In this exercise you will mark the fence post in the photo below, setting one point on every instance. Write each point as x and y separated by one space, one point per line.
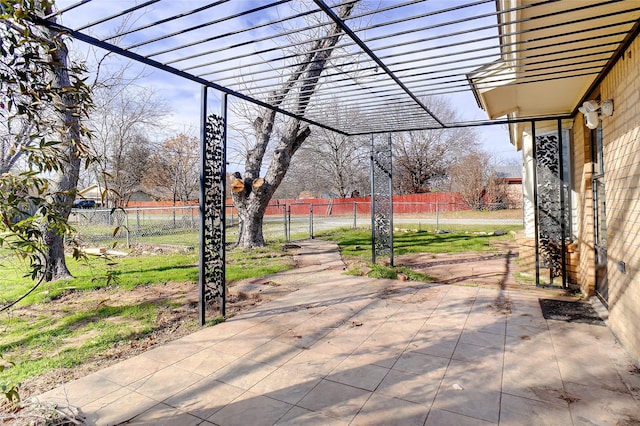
126 227
437 216
289 220
311 221
138 221
284 222
355 215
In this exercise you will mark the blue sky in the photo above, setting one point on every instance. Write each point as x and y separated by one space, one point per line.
184 96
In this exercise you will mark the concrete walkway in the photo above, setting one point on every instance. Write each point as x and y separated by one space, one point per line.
346 350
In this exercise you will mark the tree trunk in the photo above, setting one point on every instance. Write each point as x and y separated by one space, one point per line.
56 264
251 203
65 181
251 219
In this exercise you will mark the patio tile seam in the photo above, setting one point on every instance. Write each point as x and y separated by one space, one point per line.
329 414
123 398
563 380
504 349
141 382
471 418
560 402
327 376
504 302
174 363
241 397
66 388
439 387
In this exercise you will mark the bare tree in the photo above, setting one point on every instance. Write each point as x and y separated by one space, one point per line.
173 169
121 124
330 163
475 177
129 166
13 143
302 178
423 158
343 160
251 202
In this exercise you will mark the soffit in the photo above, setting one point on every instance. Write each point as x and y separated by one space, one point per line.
553 54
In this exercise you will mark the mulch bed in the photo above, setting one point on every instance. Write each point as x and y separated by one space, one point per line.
570 311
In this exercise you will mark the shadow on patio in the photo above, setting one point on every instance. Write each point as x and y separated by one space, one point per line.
352 350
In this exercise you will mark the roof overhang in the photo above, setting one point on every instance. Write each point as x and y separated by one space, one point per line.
551 56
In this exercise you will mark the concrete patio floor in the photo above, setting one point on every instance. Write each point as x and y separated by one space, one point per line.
346 350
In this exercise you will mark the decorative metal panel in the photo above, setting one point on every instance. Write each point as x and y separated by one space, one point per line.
381 199
213 244
552 216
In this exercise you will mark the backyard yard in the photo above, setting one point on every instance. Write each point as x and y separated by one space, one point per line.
67 329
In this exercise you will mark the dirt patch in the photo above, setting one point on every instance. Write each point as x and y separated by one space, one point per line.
497 269
494 269
172 322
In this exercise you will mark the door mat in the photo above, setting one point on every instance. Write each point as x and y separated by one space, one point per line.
562 310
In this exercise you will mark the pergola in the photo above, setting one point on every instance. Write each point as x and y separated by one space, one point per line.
530 57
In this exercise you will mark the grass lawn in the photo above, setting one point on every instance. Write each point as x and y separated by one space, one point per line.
356 243
40 335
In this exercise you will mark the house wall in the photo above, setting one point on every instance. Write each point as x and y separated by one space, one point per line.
528 191
621 141
582 184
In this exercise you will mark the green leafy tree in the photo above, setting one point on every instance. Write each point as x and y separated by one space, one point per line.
39 86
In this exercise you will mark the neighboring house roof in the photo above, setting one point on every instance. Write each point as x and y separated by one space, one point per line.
507 172
91 192
141 195
566 56
94 192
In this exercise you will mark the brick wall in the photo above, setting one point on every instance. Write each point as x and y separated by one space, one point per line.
621 137
526 254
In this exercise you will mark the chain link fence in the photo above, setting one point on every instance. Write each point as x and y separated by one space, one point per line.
285 222
125 227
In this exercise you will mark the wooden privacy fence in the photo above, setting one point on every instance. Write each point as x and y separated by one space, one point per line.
402 204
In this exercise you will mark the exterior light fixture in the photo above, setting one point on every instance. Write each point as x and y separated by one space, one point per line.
606 107
590 111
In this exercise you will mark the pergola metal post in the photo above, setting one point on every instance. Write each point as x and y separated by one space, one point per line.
563 207
535 200
373 205
223 205
381 201
551 224
201 204
390 184
212 207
